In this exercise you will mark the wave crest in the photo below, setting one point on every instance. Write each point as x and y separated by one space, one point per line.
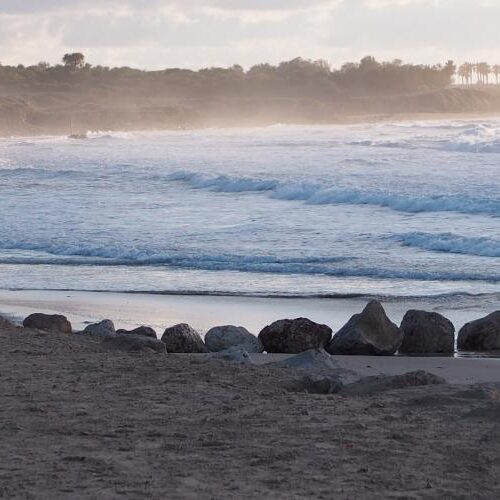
451 243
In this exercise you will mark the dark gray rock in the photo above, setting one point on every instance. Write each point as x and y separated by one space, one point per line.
368 333
183 339
293 336
427 332
312 360
133 343
221 338
235 354
142 331
48 322
481 335
102 329
381 383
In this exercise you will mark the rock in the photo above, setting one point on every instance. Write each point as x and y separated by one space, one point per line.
236 354
317 361
481 335
368 333
293 336
49 322
312 360
318 384
133 343
221 338
142 331
183 339
427 332
381 383
102 329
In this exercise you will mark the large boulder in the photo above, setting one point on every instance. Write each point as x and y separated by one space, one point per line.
221 338
368 333
427 332
49 322
104 328
293 336
142 331
481 335
183 339
133 343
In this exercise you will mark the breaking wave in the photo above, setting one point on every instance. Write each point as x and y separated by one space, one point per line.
334 266
451 243
317 194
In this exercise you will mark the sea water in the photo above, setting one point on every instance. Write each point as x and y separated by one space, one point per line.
392 209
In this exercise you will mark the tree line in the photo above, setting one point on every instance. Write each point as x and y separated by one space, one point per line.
296 78
478 72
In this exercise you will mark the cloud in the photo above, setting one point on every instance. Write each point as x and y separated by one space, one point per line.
195 33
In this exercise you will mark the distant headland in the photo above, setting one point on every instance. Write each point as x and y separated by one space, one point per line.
74 97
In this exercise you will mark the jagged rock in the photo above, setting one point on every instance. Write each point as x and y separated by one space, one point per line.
142 331
48 322
183 339
481 335
133 343
368 333
427 332
236 354
293 336
221 338
381 383
102 329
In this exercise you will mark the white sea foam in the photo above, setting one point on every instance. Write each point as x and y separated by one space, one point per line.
452 243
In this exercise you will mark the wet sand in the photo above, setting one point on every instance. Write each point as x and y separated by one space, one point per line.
204 312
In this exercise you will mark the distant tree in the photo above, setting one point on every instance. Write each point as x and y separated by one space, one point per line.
43 66
74 61
496 72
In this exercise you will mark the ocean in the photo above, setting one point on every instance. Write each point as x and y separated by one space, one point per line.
406 209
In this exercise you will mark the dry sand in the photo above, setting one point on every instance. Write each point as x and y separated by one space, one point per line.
79 422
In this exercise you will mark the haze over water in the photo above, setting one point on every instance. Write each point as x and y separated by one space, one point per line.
410 208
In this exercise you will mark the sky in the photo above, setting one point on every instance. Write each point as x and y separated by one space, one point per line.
155 34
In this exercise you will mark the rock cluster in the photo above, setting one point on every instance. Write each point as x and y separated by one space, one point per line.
370 332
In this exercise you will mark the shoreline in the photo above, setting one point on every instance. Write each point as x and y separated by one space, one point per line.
202 312
339 121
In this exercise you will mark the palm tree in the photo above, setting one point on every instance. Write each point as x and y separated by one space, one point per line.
496 71
486 70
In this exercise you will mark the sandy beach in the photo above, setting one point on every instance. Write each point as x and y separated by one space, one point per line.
79 421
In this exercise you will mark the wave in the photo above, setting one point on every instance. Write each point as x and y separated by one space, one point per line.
451 243
333 266
317 194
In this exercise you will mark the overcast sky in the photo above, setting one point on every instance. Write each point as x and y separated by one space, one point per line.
154 34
